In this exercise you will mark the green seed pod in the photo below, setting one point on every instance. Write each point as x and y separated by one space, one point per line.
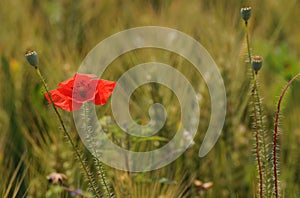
246 13
32 58
256 63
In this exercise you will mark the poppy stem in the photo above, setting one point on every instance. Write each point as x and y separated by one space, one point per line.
275 134
257 126
257 116
67 134
248 44
98 163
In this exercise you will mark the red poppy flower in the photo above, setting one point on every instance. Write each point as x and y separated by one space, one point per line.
73 92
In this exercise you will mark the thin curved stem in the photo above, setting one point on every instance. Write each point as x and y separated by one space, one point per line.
275 135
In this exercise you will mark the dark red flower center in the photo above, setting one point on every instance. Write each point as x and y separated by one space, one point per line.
84 90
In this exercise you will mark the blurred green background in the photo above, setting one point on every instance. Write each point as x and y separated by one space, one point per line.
63 32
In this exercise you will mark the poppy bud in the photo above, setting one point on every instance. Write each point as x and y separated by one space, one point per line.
256 63
246 13
32 58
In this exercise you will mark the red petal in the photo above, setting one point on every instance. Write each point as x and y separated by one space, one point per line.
67 83
68 97
78 77
104 90
63 102
91 76
84 77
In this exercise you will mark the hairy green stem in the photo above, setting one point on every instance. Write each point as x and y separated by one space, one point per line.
275 135
98 163
257 116
256 121
102 175
265 149
66 132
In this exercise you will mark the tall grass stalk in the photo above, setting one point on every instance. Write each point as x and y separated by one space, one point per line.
14 178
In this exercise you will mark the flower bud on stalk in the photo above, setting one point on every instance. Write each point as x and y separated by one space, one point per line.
256 63
32 58
246 14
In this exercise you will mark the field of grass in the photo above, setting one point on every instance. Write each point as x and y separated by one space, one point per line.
32 144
